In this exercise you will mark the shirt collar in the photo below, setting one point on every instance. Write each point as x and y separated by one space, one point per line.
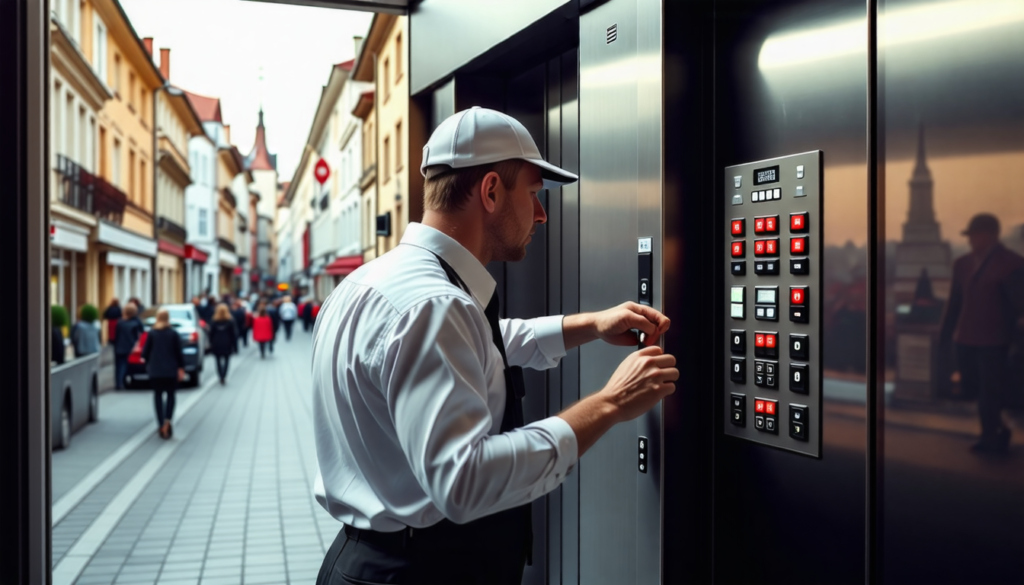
480 282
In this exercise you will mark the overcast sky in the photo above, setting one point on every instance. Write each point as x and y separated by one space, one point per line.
217 49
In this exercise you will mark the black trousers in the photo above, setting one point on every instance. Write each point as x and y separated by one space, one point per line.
983 374
161 386
222 365
489 551
287 329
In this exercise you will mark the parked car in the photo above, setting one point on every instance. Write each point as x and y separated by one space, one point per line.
74 398
185 320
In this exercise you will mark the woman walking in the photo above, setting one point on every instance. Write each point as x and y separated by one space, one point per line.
165 364
288 313
262 329
223 339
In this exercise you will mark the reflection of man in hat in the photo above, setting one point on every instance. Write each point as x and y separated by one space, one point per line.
984 305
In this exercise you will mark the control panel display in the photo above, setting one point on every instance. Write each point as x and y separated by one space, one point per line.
772 317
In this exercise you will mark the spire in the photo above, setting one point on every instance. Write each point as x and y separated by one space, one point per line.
260 159
921 170
260 125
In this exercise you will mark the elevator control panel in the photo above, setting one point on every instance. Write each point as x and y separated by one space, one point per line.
772 317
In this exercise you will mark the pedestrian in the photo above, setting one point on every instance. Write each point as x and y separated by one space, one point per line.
287 312
112 314
165 364
262 329
307 315
417 384
209 308
986 301
240 314
57 348
139 307
316 311
223 339
85 335
129 328
275 318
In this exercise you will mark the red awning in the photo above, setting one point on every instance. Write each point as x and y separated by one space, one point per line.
193 253
344 265
171 248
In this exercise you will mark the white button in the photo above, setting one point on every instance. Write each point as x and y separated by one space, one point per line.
753 196
737 199
760 195
799 171
777 194
738 180
737 311
766 296
737 294
770 313
799 191
760 312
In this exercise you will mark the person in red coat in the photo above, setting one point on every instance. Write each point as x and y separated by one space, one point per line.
262 328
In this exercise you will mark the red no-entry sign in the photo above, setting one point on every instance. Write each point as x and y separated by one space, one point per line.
321 171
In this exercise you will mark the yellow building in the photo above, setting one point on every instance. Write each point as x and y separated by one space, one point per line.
398 126
229 164
177 123
125 238
77 94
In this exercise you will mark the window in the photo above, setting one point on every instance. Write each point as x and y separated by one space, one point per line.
83 137
142 103
203 220
131 175
131 90
386 80
398 57
102 168
93 146
99 48
117 74
69 127
398 146
387 159
143 184
115 170
55 108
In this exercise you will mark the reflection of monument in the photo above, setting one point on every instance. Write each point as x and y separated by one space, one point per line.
922 248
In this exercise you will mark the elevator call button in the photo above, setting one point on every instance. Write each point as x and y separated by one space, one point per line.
798 222
798 378
758 225
738 227
798 295
798 245
738 341
766 267
739 267
799 266
737 249
799 346
738 370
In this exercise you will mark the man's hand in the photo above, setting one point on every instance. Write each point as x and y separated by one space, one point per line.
615 325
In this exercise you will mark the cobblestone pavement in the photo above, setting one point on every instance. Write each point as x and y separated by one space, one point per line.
227 500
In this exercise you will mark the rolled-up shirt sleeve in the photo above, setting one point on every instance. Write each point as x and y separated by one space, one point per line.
435 381
533 343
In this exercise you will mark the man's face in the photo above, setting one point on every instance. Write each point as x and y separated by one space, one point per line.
981 242
517 219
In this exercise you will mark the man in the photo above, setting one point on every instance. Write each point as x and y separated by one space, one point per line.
112 314
421 448
128 331
239 313
984 307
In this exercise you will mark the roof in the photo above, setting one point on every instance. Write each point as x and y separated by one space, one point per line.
347 65
259 158
375 40
208 108
364 106
283 189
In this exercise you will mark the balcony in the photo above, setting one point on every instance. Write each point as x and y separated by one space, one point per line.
172 228
226 244
88 193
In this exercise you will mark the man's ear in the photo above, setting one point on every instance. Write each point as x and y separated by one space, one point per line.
488 191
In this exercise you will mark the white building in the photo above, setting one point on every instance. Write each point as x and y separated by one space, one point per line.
201 198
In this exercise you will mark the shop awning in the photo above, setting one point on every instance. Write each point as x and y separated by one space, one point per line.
195 254
344 265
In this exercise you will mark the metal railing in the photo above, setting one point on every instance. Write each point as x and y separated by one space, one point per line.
86 192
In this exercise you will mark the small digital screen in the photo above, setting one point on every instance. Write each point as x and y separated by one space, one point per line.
766 175
766 296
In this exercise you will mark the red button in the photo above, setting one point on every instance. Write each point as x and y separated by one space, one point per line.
759 340
737 249
798 222
759 247
771 224
798 245
759 406
771 247
769 407
737 227
758 225
797 296
769 341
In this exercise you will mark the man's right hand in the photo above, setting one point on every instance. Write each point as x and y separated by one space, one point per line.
641 381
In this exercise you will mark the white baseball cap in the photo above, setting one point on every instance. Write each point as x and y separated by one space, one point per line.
479 136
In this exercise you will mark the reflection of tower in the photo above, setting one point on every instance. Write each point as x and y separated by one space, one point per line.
921 248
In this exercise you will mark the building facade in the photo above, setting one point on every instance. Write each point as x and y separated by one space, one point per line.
365 111
263 166
177 124
201 197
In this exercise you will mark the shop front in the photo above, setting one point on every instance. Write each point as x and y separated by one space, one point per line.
170 263
228 261
195 261
126 260
335 272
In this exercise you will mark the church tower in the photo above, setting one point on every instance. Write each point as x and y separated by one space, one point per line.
263 167
922 248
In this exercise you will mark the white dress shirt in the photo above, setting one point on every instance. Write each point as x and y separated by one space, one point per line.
409 393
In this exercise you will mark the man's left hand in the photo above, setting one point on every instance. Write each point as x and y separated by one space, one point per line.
616 325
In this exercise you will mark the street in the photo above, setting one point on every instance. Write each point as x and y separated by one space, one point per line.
226 500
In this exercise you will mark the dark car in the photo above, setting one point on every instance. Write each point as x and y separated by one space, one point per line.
185 320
